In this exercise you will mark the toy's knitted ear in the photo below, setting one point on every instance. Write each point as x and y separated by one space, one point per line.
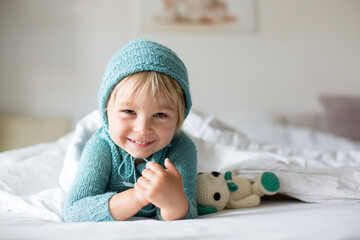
203 210
229 181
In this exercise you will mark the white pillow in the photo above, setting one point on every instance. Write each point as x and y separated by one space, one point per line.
83 132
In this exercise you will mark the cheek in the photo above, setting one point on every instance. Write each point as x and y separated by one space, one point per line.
168 131
116 129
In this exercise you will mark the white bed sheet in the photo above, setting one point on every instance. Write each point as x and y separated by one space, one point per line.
34 182
273 219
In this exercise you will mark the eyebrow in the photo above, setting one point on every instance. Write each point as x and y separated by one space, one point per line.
127 104
166 107
131 104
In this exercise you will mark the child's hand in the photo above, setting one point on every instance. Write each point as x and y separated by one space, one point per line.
164 188
140 197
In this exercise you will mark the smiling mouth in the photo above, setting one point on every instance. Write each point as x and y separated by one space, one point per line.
141 143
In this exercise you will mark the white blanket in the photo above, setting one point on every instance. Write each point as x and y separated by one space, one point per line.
35 180
273 219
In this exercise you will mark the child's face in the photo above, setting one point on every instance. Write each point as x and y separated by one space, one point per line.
142 127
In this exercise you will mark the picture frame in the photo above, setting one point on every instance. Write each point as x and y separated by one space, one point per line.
196 16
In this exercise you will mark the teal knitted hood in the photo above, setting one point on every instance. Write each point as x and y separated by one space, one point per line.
137 56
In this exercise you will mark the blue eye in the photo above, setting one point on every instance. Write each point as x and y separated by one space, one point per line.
160 115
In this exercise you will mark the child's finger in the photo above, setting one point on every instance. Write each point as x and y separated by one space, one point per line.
143 183
168 164
155 167
170 167
139 188
148 173
140 191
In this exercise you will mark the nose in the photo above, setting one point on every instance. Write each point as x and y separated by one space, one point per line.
143 125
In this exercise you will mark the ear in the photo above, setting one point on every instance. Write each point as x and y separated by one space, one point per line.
230 182
203 210
228 175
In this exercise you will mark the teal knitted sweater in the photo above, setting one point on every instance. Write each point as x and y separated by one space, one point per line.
105 170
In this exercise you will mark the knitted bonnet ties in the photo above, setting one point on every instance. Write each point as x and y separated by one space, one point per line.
126 169
128 161
137 56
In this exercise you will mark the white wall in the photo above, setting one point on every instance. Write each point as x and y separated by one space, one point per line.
53 54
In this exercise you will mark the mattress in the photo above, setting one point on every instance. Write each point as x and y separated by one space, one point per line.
321 186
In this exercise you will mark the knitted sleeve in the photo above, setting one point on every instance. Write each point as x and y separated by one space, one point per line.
87 200
183 155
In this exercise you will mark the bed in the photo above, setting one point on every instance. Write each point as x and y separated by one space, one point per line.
319 193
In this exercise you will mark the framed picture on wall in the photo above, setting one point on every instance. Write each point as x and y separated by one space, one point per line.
217 16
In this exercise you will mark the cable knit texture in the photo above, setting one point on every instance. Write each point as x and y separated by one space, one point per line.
105 169
98 177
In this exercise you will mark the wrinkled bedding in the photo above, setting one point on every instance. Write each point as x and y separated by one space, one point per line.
35 180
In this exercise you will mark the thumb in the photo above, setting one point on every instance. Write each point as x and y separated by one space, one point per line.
170 167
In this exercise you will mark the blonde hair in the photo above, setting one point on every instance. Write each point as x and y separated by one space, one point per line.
156 83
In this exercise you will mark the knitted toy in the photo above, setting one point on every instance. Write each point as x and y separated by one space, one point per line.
216 191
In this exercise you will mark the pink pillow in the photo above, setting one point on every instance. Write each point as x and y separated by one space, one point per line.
342 115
